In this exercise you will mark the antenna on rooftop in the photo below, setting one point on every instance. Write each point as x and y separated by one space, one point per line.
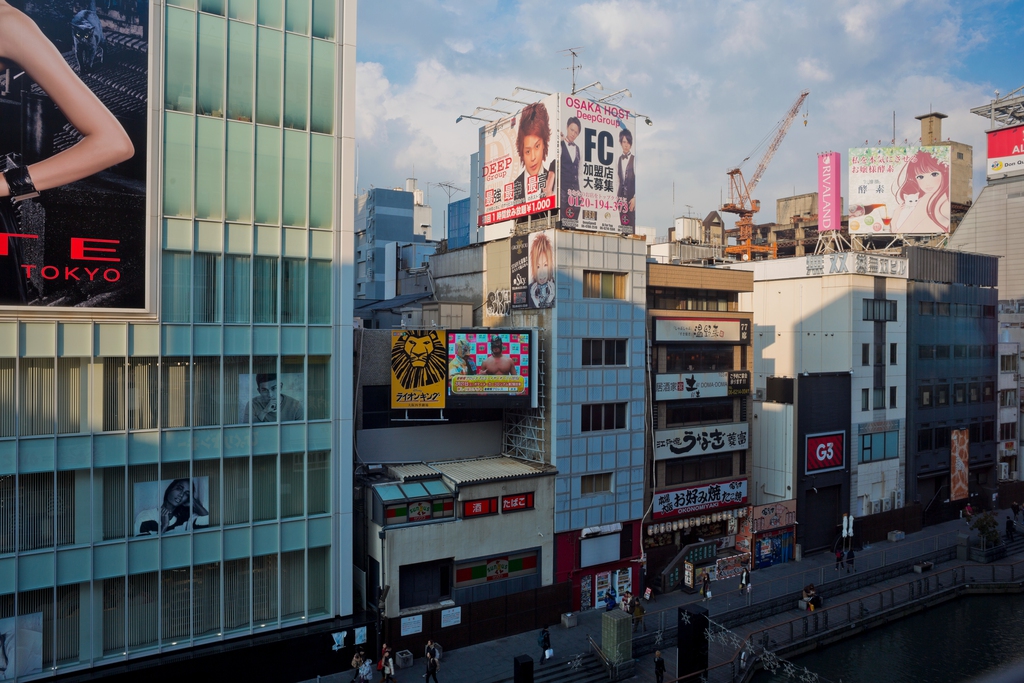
575 53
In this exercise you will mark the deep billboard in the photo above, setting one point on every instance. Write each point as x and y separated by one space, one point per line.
899 190
597 187
520 163
532 263
829 191
489 368
1005 152
74 103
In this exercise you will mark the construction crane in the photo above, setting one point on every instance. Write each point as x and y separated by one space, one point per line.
740 190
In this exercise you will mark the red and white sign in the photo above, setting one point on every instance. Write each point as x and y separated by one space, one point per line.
829 174
520 501
825 452
710 497
477 508
1005 152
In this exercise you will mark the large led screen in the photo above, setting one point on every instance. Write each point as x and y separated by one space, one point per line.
489 368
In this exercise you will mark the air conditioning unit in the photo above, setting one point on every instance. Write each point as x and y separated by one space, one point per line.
897 499
887 504
876 507
1004 471
759 395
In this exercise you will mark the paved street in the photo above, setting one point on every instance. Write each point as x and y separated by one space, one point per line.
493 661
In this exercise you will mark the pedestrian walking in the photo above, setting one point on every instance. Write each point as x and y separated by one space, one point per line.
1015 506
1009 530
659 667
705 587
544 640
638 616
389 668
750 592
432 667
609 601
357 661
839 558
849 561
968 513
744 580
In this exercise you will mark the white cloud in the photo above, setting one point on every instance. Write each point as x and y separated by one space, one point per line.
462 46
812 70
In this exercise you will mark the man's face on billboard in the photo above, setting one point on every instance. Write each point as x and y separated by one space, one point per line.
533 154
496 347
269 389
626 145
572 131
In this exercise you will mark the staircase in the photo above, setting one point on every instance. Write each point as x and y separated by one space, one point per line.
584 668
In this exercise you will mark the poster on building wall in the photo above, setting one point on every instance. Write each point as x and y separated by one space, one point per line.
701 330
959 463
602 587
21 645
520 163
731 566
711 497
772 516
485 570
412 625
271 397
586 592
533 270
78 88
170 506
597 188
419 368
1005 152
825 452
690 441
830 210
899 190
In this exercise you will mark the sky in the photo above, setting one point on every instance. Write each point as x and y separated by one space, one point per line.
714 77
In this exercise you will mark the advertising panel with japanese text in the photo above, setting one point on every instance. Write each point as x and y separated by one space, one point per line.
419 368
1005 152
709 497
825 452
597 187
899 190
829 182
683 385
699 440
520 163
701 330
532 260
74 101
489 368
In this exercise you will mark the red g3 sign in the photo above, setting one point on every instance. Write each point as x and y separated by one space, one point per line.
825 452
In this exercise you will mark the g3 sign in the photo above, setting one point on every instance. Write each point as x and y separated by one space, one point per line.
825 452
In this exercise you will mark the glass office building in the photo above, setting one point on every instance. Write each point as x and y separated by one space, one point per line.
178 475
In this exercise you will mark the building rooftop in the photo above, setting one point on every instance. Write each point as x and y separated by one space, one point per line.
490 469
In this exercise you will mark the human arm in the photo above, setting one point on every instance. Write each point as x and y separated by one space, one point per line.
104 142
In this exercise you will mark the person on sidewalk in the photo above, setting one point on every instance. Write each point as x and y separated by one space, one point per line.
432 667
638 616
659 667
744 580
1015 506
389 668
705 587
544 640
839 558
849 561
357 661
609 601
1009 530
968 513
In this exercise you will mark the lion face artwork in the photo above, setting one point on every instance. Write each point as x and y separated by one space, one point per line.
419 359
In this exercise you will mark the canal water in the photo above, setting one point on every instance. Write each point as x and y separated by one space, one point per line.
951 643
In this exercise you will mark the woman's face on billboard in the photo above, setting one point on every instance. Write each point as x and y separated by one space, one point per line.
533 153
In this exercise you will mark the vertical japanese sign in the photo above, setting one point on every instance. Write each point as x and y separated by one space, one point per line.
419 368
899 190
829 191
533 270
83 242
597 188
520 163
959 464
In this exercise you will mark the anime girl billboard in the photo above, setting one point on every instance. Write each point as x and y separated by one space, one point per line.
899 190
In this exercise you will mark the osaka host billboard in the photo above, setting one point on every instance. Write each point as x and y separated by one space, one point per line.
899 190
520 163
598 167
73 106
1005 152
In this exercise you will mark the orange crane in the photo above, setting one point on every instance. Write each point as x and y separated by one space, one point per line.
740 190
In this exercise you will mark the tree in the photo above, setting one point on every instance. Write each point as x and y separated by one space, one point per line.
988 528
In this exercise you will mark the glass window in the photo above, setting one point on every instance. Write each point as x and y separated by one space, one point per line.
206 276
926 352
319 572
296 185
604 352
268 175
942 351
926 307
180 63
177 286
988 431
865 354
212 6
322 110
36 396
975 432
235 369
974 392
270 12
177 165
319 292
959 393
175 390
72 394
892 354
1008 363
318 473
296 16
113 387
942 309
7 396
143 392
143 616
241 62
598 285
988 391
596 483
264 588
237 288
293 584
699 358
323 19
236 490
238 195
942 395
1008 398
113 615
292 388
210 67
206 405
864 399
319 388
293 291
321 181
879 398
174 608
209 168
959 351
941 437
924 396
702 412
892 397
264 488
293 476
296 80
269 58
243 10
975 351
206 599
1008 431
602 416
236 594
924 440
265 289
211 470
